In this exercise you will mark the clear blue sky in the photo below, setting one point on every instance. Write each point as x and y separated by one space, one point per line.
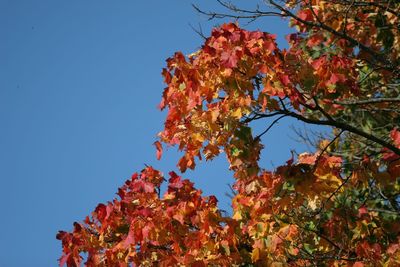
79 85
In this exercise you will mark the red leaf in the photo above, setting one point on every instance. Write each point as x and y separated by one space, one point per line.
179 217
145 212
395 135
334 161
145 231
306 158
142 186
336 77
182 164
159 149
314 40
393 248
101 212
130 238
362 210
63 260
175 180
148 187
229 59
306 15
270 46
285 80
318 62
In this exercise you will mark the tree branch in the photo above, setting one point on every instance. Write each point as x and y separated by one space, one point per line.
368 101
252 14
329 29
340 125
269 127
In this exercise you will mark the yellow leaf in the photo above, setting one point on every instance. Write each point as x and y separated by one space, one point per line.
312 203
252 187
237 113
182 86
198 137
255 255
323 144
330 178
237 216
214 115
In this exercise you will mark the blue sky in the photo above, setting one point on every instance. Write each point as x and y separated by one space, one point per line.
79 86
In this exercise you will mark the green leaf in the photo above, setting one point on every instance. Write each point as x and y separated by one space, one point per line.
308 248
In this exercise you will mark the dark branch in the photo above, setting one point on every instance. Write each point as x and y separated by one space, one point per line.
340 125
368 101
269 127
325 148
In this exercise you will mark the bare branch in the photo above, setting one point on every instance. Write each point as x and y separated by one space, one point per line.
340 125
199 31
368 101
251 14
269 127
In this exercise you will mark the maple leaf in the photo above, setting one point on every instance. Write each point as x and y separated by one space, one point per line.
315 40
229 59
393 248
362 210
307 158
338 71
63 260
101 212
306 14
395 135
388 155
175 181
159 149
285 79
319 62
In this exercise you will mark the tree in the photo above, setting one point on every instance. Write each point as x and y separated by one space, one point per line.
336 206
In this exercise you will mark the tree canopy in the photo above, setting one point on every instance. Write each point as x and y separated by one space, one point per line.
338 205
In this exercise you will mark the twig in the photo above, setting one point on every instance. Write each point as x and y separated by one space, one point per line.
368 101
325 148
198 31
269 127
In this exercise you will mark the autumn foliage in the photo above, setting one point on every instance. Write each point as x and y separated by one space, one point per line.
338 205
